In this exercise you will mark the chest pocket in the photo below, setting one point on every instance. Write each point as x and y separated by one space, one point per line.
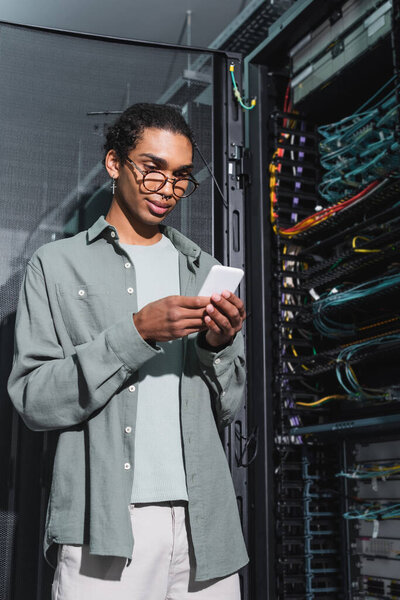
87 309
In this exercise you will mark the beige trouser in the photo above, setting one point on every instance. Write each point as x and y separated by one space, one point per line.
161 567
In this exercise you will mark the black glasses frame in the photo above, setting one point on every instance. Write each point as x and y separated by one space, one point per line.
174 180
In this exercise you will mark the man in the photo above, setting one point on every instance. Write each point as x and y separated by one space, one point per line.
116 351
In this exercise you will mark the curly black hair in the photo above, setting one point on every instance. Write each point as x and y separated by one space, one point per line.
126 132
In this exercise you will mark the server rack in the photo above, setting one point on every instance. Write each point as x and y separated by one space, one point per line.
323 337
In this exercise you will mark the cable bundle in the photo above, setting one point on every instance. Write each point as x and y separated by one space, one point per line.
372 470
345 373
372 512
319 378
339 300
361 147
293 169
325 213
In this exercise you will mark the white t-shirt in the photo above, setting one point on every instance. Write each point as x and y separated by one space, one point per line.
158 473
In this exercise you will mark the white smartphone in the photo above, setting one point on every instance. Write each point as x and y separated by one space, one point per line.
221 278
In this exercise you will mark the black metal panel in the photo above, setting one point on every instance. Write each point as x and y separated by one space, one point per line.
8 451
229 248
237 438
260 340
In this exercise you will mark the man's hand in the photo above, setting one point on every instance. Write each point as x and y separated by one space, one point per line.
224 318
171 318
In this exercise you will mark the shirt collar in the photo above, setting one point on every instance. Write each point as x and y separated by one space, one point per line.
181 242
98 227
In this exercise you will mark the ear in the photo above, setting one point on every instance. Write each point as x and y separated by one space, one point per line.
112 164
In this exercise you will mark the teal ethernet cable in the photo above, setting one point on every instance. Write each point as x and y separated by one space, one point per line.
370 513
360 147
345 373
338 299
237 93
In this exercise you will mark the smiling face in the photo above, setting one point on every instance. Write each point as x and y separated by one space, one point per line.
157 149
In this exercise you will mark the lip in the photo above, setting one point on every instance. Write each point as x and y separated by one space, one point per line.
157 207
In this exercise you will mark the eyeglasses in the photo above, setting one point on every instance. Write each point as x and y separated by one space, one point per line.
154 181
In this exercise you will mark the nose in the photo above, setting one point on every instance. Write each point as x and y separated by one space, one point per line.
167 190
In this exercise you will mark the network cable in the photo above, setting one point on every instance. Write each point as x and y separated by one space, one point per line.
371 471
372 512
346 375
317 217
237 93
361 147
324 400
339 300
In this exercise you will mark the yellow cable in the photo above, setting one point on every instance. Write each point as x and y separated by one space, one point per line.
322 400
382 469
295 352
272 186
365 239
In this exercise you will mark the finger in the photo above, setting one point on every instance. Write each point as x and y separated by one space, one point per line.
187 328
235 300
193 323
222 321
227 308
187 315
179 314
212 325
193 301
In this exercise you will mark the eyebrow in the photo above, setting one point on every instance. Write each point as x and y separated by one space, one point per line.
163 163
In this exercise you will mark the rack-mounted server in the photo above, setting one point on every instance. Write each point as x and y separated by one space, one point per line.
324 227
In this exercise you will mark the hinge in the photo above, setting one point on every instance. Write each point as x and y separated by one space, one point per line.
239 165
243 174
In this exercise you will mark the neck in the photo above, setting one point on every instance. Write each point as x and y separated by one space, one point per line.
129 230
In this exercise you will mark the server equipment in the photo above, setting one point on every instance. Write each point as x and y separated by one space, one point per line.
306 197
324 327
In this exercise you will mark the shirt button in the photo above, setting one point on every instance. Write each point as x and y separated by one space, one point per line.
127 265
223 393
130 290
81 292
128 429
113 234
217 361
131 388
127 466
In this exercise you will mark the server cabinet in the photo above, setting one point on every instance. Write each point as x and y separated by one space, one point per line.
324 346
59 92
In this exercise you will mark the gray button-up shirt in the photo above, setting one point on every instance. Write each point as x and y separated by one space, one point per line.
77 355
